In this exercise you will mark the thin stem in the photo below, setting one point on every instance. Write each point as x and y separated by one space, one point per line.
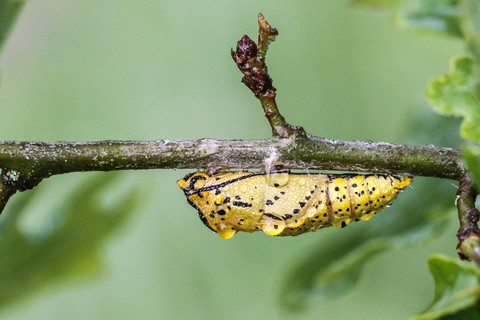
250 59
266 35
279 126
468 233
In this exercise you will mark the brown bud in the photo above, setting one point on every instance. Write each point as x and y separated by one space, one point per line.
246 49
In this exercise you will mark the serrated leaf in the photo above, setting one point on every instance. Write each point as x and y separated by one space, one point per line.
68 249
9 11
454 94
457 288
432 17
471 158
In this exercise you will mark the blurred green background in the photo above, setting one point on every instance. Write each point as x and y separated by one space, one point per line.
146 70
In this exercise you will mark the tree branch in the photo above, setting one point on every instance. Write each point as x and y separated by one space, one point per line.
469 233
25 164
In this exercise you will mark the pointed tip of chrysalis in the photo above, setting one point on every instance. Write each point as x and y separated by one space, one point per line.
403 184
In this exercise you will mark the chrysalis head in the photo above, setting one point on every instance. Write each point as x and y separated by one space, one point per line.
191 185
192 182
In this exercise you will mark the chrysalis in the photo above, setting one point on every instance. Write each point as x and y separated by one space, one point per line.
281 203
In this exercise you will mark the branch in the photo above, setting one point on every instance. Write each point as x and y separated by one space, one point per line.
25 164
469 233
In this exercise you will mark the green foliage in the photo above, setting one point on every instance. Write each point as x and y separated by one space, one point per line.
471 27
432 17
67 248
457 290
378 3
328 272
454 94
471 157
9 11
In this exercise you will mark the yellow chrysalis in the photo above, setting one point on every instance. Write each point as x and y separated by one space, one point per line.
281 203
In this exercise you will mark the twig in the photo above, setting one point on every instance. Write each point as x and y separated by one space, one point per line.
250 59
469 233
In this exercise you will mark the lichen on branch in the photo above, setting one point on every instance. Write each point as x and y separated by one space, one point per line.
24 164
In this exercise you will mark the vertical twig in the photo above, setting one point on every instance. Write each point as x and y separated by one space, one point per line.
468 233
250 59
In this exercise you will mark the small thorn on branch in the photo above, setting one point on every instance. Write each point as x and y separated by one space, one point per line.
468 233
250 59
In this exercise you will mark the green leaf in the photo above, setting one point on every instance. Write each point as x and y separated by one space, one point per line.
471 26
67 247
432 17
471 157
328 272
382 4
457 289
9 11
465 314
454 94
